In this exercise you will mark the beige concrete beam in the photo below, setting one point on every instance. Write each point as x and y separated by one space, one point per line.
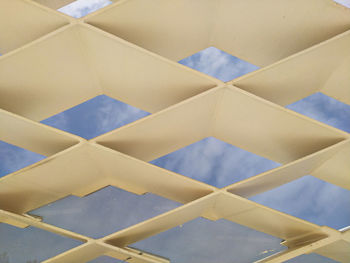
250 30
321 68
22 21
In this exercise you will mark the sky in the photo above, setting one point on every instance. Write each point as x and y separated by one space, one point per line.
210 160
343 2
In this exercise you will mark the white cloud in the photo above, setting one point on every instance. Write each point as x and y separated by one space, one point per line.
343 2
215 162
218 64
13 158
311 199
60 120
81 8
32 243
318 202
325 109
112 114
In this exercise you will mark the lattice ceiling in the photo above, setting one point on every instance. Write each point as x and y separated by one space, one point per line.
52 62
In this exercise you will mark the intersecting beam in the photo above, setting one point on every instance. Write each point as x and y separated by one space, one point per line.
245 212
34 136
338 250
231 115
26 220
56 4
251 30
321 68
222 205
297 251
271 131
98 167
78 62
90 249
93 249
163 222
336 170
51 62
333 246
294 170
167 130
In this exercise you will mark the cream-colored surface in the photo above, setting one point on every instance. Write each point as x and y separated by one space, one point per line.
338 251
264 128
321 68
46 181
22 21
54 4
294 170
261 32
52 62
34 136
78 62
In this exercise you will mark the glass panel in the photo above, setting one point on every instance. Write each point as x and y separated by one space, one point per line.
104 259
103 212
95 117
206 241
13 158
214 162
311 258
30 244
81 8
218 64
311 199
325 109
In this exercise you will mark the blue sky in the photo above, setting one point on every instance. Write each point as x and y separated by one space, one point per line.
81 8
343 2
210 161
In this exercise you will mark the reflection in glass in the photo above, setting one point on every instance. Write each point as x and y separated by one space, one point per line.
105 259
103 212
31 244
206 241
215 162
311 199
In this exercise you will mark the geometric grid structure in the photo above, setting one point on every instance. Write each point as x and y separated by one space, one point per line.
52 62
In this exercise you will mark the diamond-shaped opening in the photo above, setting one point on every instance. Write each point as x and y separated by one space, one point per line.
311 258
13 158
215 162
105 259
218 64
205 241
345 3
95 117
103 212
325 109
31 244
82 8
311 199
